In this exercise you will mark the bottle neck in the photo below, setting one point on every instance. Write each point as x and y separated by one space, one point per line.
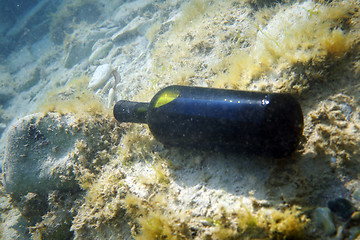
126 111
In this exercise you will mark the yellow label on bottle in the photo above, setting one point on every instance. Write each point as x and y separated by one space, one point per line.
166 97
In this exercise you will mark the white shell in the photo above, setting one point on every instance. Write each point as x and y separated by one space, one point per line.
111 98
100 76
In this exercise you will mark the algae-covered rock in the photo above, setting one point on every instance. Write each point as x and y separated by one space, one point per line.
77 52
134 28
100 52
48 161
322 218
19 59
37 156
15 227
129 9
5 96
30 76
71 12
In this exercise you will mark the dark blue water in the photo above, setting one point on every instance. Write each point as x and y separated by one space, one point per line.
10 9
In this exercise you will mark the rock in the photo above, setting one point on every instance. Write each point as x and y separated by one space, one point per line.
356 195
322 219
80 43
5 96
341 207
130 30
6 79
2 129
100 52
37 155
77 52
100 76
126 10
15 227
42 47
19 59
13 224
207 222
29 76
46 159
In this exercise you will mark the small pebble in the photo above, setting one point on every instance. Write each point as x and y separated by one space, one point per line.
356 195
347 110
341 207
100 76
322 219
207 222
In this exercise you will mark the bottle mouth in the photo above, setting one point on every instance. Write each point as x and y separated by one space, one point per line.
127 111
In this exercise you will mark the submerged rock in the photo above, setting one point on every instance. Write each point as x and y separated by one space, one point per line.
5 96
19 59
15 227
77 52
30 76
322 218
341 207
37 155
100 52
128 9
356 195
48 161
100 76
134 28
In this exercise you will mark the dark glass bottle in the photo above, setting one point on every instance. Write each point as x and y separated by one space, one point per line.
269 124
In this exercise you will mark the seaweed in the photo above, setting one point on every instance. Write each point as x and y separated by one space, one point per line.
75 98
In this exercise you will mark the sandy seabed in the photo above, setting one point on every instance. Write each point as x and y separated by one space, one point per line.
70 171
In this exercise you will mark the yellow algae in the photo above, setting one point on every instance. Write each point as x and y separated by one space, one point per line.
129 184
151 32
336 44
334 129
272 42
190 11
262 224
74 98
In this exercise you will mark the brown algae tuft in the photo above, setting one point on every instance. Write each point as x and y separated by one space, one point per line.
130 186
250 50
75 98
